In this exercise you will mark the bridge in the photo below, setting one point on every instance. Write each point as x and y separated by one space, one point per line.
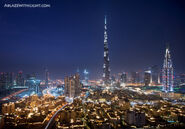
51 121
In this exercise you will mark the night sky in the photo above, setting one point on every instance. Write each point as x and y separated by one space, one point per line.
69 35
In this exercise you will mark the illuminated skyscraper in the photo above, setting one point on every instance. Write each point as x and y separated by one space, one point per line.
72 86
123 78
147 78
6 80
167 72
33 83
106 67
135 77
86 78
155 74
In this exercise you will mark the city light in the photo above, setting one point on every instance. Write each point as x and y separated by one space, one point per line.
92 65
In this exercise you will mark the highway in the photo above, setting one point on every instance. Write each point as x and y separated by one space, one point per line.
52 91
13 94
47 91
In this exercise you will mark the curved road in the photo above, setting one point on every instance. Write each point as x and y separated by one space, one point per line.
49 125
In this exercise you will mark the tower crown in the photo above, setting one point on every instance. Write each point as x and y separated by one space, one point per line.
105 19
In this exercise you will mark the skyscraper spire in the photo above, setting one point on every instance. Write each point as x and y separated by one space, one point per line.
106 67
167 72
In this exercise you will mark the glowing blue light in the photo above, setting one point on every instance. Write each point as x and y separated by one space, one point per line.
86 72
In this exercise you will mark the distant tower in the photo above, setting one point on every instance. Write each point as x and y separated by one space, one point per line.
19 79
135 77
78 70
37 86
106 67
86 73
6 80
167 72
46 77
123 78
154 74
147 77
159 80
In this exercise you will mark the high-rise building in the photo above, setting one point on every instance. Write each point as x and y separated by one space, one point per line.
66 88
2 81
6 80
86 78
33 83
180 79
113 78
123 78
77 84
147 78
167 72
106 67
19 79
155 74
46 77
135 77
72 86
31 76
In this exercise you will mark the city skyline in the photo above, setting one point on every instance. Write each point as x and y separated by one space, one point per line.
32 46
100 64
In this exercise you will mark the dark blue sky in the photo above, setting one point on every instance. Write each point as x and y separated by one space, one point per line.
69 35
